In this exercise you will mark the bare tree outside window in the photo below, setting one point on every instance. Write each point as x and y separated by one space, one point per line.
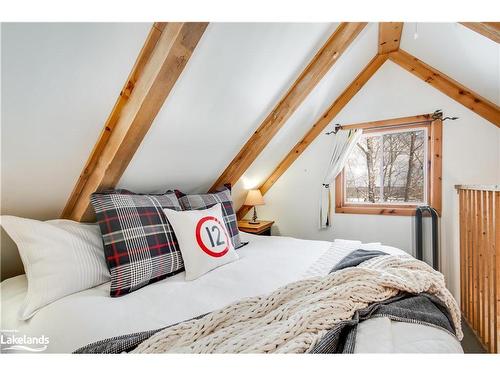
387 167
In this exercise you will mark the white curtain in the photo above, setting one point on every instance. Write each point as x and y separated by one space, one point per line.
345 141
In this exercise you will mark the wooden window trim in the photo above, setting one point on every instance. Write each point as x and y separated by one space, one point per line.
434 168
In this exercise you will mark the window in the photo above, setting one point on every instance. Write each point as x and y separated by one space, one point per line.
395 167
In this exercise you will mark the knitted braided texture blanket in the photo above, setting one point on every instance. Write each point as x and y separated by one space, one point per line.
295 317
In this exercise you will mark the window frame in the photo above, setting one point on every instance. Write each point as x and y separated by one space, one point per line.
433 192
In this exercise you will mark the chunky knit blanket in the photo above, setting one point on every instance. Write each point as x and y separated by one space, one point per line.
294 318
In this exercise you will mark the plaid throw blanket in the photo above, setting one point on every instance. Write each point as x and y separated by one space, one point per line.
429 304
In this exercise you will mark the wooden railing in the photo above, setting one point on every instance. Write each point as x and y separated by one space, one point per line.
480 261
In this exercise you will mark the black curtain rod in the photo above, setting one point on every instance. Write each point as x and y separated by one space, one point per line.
438 114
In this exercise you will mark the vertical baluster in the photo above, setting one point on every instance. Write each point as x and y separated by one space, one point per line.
491 271
477 258
484 268
480 266
474 261
462 231
470 286
496 224
486 272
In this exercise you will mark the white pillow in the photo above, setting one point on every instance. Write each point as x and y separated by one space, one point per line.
203 239
60 257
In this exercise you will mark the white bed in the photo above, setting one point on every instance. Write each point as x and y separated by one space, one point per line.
266 263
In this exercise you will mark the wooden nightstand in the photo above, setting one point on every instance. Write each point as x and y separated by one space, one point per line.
263 228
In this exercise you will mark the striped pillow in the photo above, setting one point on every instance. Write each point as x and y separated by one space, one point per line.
204 201
139 244
60 257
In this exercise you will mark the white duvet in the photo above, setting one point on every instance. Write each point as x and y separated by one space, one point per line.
265 264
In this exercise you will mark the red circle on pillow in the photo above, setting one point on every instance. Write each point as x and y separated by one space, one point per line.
200 240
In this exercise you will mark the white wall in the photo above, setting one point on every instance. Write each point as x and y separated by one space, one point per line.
470 155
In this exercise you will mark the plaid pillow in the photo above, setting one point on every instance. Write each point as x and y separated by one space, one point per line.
204 201
139 243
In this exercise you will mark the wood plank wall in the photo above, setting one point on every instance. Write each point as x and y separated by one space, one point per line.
480 263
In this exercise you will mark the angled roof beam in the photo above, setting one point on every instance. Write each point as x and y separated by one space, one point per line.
161 61
389 36
490 30
138 68
468 98
320 124
305 83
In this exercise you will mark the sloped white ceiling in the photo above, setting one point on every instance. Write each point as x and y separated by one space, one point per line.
354 59
441 45
459 52
60 81
59 84
236 75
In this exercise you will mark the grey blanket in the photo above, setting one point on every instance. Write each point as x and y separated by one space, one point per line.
421 309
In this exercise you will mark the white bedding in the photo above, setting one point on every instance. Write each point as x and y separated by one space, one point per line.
265 264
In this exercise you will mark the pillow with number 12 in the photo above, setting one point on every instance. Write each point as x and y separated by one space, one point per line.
203 239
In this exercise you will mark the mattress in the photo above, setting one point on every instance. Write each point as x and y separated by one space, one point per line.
265 264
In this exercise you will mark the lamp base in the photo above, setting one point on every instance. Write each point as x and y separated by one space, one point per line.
254 217
254 222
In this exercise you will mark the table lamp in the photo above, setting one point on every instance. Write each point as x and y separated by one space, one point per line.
254 198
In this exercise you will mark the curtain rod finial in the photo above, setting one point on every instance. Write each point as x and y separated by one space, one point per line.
335 130
438 114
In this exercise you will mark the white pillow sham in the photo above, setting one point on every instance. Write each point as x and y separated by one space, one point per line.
60 257
203 239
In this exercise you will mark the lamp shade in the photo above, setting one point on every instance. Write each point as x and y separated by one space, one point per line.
254 198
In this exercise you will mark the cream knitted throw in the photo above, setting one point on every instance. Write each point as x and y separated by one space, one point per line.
295 317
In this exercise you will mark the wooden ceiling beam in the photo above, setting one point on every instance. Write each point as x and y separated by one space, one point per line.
389 36
318 127
305 83
490 30
468 98
161 61
142 59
